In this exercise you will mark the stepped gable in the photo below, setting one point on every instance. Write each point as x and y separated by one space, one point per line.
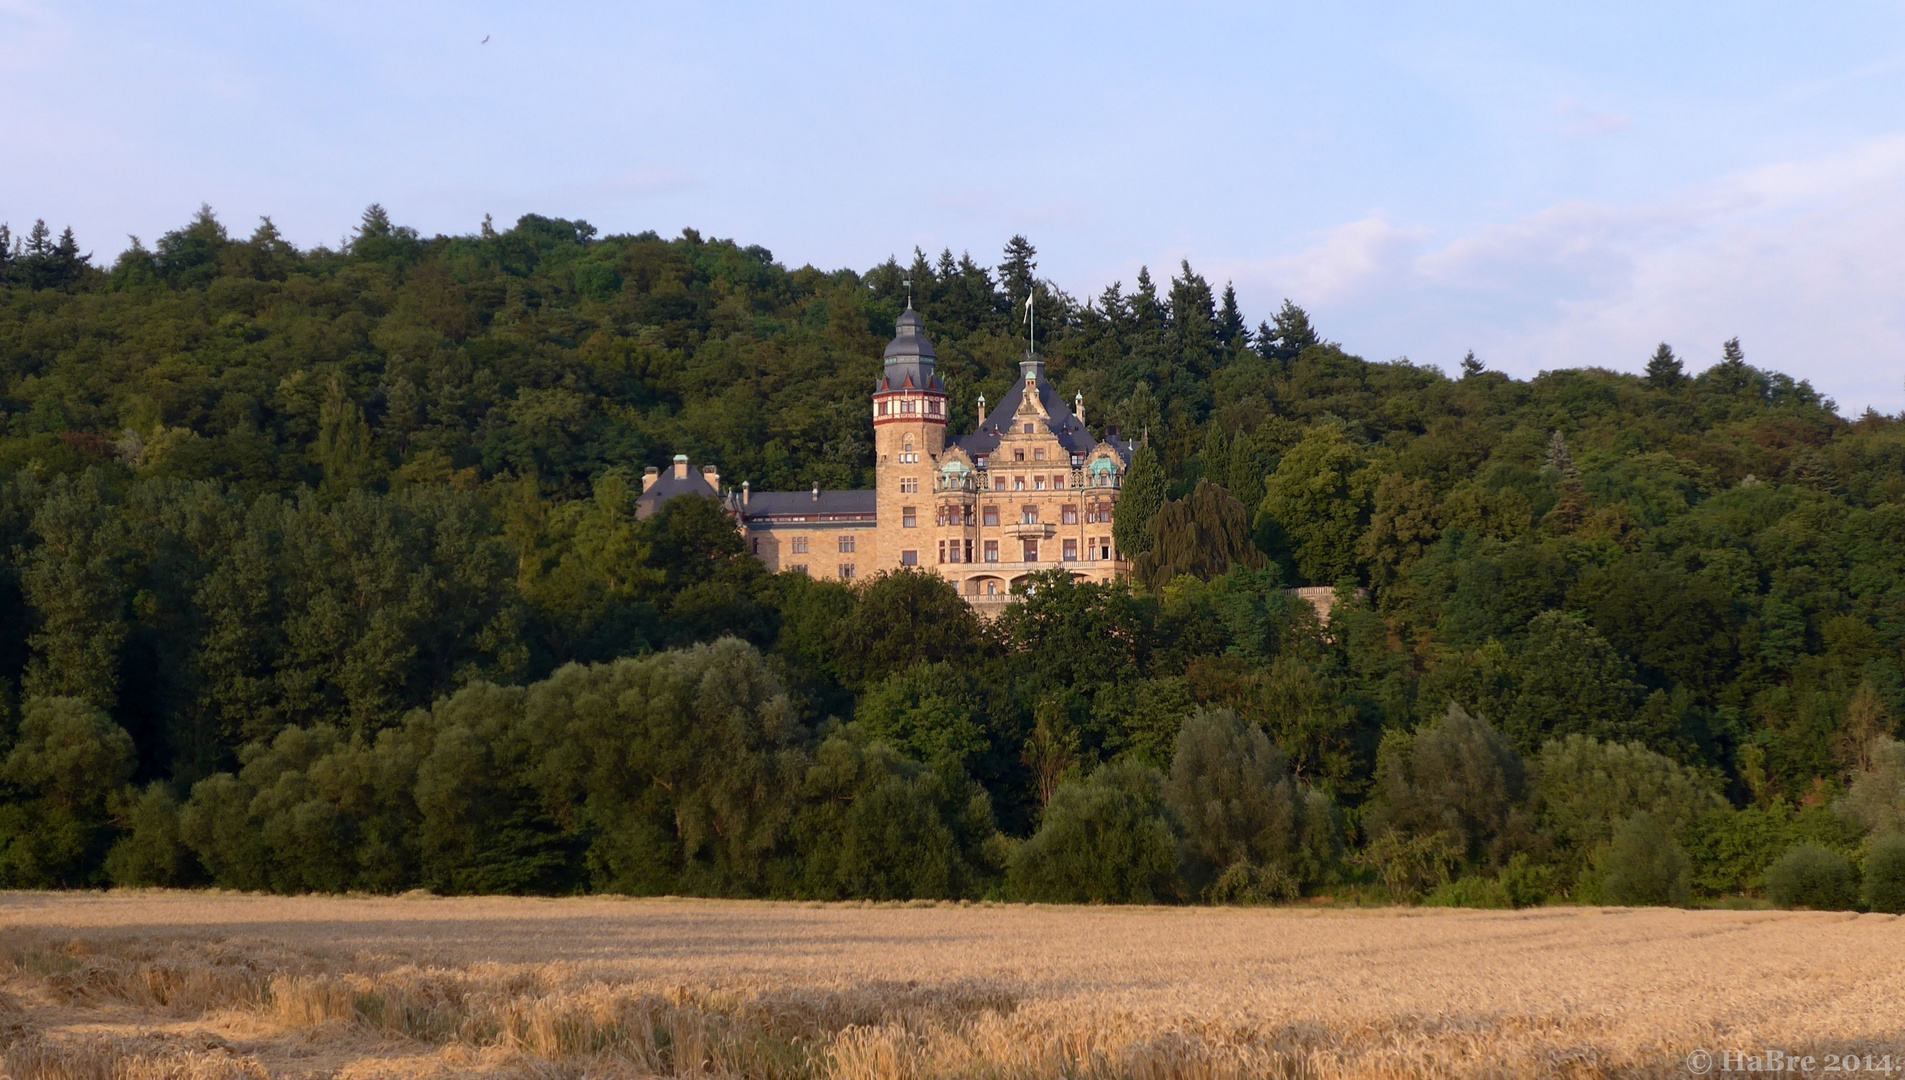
1045 408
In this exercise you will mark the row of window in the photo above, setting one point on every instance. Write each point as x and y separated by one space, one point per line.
844 571
961 551
798 545
910 408
1020 483
1028 515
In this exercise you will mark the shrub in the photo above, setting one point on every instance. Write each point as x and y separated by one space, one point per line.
1104 839
1588 785
1885 874
152 853
1643 866
1876 799
1233 796
1460 778
1472 891
1812 876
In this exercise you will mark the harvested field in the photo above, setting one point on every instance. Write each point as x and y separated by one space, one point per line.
126 985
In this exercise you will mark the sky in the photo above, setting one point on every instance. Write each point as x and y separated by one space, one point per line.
1549 185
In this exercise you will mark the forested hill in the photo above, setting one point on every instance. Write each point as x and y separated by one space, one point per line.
251 495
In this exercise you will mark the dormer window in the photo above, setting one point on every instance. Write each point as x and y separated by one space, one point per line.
1028 429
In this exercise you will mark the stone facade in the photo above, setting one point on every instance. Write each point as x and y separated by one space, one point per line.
1031 489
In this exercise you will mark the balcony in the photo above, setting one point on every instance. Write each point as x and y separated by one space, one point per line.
1036 530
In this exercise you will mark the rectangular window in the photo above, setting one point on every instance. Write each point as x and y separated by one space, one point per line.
942 551
1038 453
906 408
992 551
909 517
1028 515
992 516
1038 483
932 407
797 568
846 571
909 484
909 558
1031 551
799 545
1019 454
846 545
1058 482
1068 515
1071 551
968 551
754 545
882 408
998 483
1018 483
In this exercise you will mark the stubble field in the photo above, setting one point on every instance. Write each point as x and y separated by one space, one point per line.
209 985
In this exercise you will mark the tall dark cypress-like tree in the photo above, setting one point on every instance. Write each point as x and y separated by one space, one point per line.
1138 504
1663 369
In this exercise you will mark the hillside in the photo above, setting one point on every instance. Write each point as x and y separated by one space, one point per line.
260 508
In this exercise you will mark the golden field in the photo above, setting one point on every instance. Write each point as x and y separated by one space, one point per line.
173 984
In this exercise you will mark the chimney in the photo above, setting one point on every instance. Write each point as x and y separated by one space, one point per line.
745 492
712 474
1078 407
816 492
982 412
649 476
681 466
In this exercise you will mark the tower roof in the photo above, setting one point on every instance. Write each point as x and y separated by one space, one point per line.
909 341
909 357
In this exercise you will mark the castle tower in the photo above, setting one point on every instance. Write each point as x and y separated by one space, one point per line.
909 434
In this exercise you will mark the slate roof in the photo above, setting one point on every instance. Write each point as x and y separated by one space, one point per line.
762 504
667 486
909 357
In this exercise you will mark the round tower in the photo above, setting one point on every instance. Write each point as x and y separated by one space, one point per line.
909 434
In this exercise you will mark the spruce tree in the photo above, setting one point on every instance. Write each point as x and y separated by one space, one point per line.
1230 320
1291 334
1471 366
1017 270
1132 526
1663 369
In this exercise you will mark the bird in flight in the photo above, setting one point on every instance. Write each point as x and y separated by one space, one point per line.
485 40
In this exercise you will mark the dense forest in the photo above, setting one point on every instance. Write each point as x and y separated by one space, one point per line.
319 570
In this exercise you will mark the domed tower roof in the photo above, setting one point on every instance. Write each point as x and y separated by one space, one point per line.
909 341
910 360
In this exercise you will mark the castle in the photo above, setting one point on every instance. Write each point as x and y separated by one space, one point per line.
1030 490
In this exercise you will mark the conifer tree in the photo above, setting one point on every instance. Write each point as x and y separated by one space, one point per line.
1138 504
1017 270
1289 335
1471 367
1230 320
1663 369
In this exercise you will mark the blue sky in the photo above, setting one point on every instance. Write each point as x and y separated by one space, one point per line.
1550 188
